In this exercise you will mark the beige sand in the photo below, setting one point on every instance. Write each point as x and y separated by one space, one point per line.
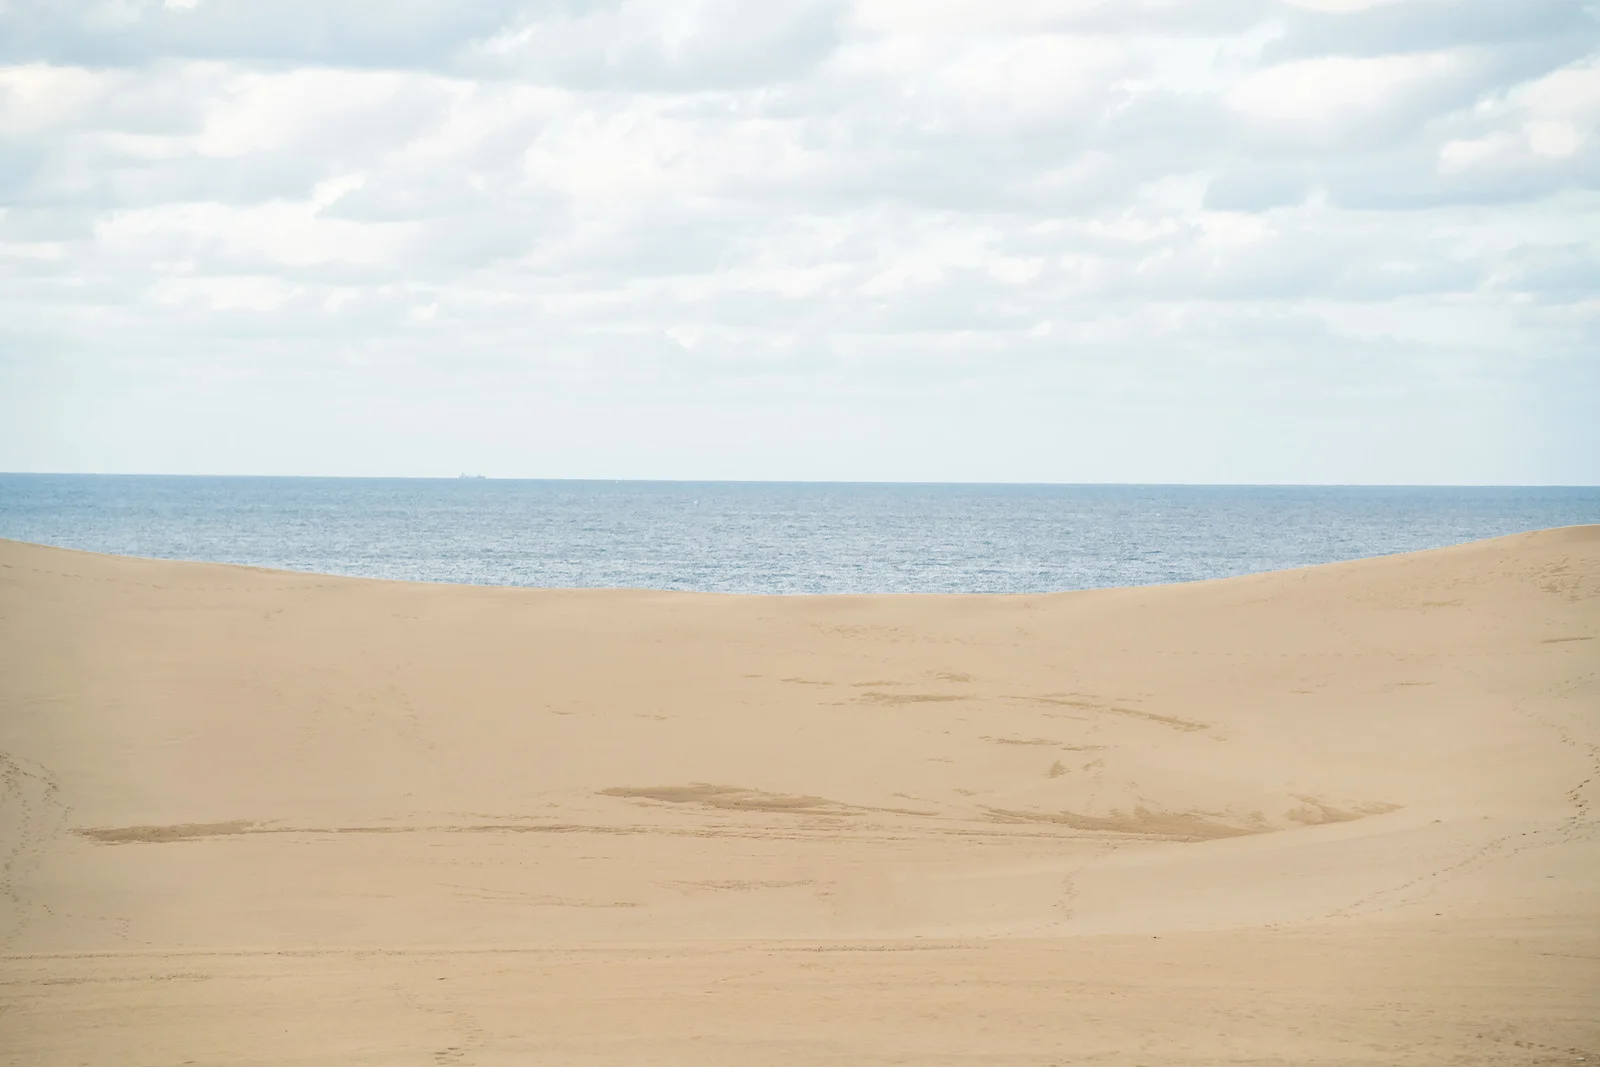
1345 815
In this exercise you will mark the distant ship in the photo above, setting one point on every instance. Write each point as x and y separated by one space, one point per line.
475 477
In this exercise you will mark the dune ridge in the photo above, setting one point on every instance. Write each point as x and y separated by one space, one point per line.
1344 814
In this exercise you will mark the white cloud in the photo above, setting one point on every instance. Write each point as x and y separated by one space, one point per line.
222 293
959 17
1332 88
1572 91
1341 7
36 98
1554 138
1543 125
184 237
306 111
1072 217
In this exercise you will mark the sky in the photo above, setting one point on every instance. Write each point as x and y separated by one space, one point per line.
1238 241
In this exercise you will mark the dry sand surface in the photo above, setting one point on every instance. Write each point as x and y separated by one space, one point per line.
1343 815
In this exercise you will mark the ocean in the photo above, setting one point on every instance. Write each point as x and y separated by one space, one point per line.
763 537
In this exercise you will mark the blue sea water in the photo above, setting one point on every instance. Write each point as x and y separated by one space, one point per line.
763 537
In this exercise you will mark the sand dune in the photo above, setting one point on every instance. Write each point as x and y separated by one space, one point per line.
1337 815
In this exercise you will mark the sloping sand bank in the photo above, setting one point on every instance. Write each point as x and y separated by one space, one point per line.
1344 815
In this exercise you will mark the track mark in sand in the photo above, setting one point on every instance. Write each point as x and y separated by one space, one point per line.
738 798
904 946
1563 640
1020 740
156 835
1173 721
119 836
740 884
893 633
1141 822
1414 889
803 681
1577 826
732 798
147 835
874 697
536 900
107 980
31 812
189 831
463 1023
1186 725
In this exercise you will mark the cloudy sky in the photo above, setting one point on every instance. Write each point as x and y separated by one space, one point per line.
994 240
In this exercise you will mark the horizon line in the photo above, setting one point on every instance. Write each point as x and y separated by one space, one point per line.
467 477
